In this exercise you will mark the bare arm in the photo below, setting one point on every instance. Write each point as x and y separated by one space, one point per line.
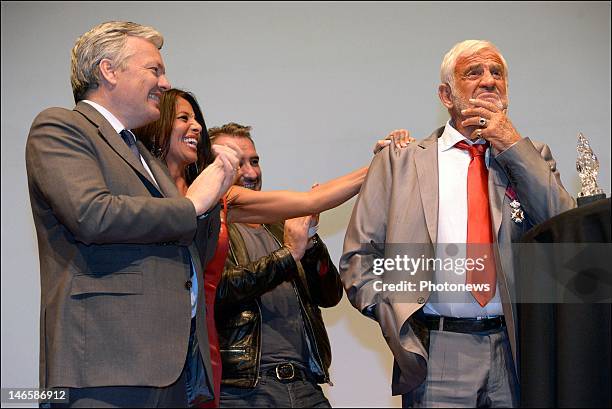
249 206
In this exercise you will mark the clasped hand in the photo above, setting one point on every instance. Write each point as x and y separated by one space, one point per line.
296 235
497 128
214 181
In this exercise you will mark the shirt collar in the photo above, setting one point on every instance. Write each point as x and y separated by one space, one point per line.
112 119
451 136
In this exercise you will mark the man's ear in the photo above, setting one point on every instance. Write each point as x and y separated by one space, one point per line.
444 93
108 71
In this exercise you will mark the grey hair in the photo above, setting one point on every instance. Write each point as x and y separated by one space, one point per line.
106 40
469 47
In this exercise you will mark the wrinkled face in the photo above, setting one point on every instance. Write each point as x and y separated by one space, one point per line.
139 84
480 75
250 171
186 132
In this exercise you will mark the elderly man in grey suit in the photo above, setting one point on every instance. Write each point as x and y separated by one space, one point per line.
466 192
120 276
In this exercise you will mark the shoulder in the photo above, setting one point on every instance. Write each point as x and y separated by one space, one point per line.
60 127
55 114
527 141
63 118
527 146
539 146
393 157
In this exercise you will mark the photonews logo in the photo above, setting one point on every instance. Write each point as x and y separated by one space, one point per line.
457 265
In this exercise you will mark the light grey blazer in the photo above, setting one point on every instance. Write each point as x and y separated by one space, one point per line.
398 203
114 254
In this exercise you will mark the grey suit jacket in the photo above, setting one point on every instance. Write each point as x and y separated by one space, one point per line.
398 204
115 255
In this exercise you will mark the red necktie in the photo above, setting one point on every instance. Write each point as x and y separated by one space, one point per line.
479 231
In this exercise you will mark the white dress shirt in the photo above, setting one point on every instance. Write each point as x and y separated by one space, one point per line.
453 166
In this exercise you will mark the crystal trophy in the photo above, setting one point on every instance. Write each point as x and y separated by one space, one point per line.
587 166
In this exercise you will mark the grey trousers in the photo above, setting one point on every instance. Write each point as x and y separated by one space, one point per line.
467 370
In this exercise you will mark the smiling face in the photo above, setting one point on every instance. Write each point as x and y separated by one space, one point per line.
250 172
186 132
139 84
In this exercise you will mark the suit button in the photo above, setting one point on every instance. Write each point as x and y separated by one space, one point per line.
188 285
421 300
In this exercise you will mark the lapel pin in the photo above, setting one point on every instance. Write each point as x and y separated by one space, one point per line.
516 214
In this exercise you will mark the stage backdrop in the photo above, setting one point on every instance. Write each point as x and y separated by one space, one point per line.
318 83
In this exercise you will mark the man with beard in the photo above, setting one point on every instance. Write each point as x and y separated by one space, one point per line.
467 192
274 347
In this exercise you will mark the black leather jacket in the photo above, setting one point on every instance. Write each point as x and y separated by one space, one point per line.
238 313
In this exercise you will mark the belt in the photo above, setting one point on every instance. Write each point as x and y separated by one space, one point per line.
288 372
464 325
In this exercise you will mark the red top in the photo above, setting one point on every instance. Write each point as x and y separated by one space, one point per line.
212 275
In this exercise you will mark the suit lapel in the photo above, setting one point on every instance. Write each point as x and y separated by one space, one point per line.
426 162
165 184
114 140
498 183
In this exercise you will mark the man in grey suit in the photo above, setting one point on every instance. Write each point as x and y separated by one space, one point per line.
474 184
120 276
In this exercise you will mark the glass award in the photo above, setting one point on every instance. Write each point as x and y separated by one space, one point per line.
587 166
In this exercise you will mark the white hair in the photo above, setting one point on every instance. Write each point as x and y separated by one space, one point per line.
469 47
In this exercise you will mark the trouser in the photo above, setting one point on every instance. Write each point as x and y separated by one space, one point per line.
467 370
271 391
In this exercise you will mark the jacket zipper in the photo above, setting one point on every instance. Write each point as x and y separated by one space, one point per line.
258 361
242 350
310 335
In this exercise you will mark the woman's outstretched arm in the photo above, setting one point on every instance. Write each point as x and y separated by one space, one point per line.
250 206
